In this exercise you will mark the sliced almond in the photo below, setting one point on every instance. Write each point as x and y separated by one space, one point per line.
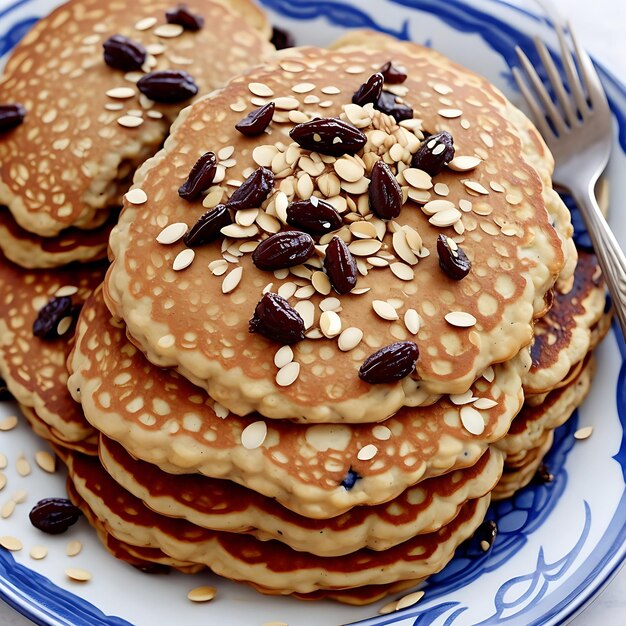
78 575
288 374
172 233
330 324
202 594
385 310
460 319
253 435
232 279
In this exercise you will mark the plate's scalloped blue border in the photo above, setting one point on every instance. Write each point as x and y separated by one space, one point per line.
47 604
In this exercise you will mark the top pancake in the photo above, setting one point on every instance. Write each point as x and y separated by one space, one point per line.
59 168
185 320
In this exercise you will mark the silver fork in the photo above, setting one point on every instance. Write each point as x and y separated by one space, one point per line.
578 132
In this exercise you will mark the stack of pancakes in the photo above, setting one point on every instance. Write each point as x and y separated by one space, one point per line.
193 442
87 127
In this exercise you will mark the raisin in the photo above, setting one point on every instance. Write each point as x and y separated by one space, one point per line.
152 568
182 16
282 250
277 320
257 121
254 190
388 103
391 363
340 266
169 86
543 475
330 136
54 515
392 74
385 194
482 540
48 318
282 38
11 116
452 259
5 394
122 53
431 156
350 479
208 227
314 216
200 177
369 91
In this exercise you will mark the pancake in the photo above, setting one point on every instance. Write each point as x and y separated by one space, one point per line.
88 445
597 333
223 505
532 422
153 560
519 474
72 244
68 163
319 471
509 209
34 368
563 337
269 565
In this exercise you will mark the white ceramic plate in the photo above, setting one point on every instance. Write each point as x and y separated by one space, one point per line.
558 544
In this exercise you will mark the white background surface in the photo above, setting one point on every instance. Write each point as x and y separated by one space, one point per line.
601 25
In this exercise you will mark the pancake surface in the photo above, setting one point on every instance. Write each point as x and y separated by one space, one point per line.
516 254
70 161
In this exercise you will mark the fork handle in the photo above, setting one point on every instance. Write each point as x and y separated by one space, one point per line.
607 249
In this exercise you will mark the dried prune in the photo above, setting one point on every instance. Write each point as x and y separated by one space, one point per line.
208 227
284 249
388 103
391 363
200 177
340 266
122 53
282 38
328 135
256 121
369 91
183 16
54 515
11 116
277 320
452 260
314 216
168 86
392 74
48 318
434 152
254 190
385 194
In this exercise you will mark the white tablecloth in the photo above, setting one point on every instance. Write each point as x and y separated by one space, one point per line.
601 26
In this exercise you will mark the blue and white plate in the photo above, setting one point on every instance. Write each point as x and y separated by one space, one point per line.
558 544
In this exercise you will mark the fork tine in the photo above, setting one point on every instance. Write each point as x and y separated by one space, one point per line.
573 79
557 83
538 113
590 77
550 111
